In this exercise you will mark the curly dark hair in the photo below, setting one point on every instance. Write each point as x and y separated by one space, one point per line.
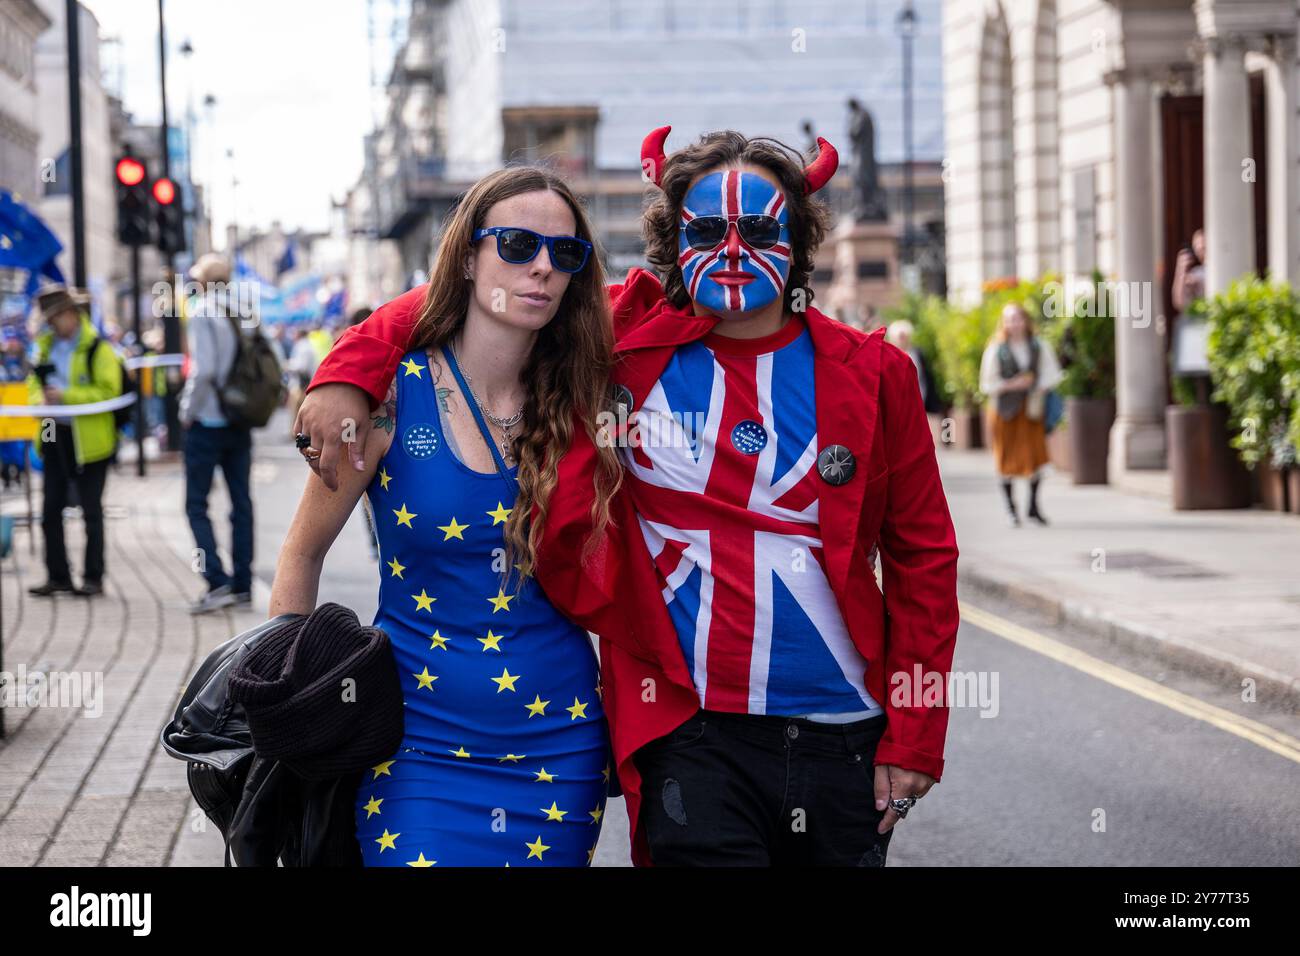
728 149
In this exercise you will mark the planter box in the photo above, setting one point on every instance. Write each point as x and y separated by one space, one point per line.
1272 488
967 428
1293 489
1205 469
1089 432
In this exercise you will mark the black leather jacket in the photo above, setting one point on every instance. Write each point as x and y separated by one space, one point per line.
264 810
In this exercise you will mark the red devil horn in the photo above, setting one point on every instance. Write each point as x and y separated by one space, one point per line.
652 154
819 172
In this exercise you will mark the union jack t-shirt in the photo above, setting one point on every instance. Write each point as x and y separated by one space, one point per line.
722 469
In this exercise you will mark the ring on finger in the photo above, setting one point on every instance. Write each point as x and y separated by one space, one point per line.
901 805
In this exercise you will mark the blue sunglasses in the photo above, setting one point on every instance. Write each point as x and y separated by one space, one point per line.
517 246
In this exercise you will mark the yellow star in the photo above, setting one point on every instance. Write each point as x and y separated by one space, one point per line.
506 681
596 814
372 807
382 768
554 813
438 641
536 849
605 773
412 367
384 478
501 601
459 751
538 706
591 855
423 602
397 567
513 758
421 861
491 642
453 530
500 515
404 517
600 691
388 841
543 776
426 679
577 710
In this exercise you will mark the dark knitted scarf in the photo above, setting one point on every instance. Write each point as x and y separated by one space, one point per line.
321 694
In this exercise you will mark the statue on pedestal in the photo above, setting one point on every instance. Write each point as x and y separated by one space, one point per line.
869 203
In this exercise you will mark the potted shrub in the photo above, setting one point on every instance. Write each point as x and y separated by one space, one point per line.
960 343
1253 336
1084 339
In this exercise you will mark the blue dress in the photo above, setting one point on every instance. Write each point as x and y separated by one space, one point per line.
505 756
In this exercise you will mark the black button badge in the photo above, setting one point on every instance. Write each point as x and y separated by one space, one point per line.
623 396
836 464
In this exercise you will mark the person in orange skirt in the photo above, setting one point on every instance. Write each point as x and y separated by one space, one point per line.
1016 372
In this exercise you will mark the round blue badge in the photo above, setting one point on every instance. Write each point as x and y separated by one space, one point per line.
749 437
420 441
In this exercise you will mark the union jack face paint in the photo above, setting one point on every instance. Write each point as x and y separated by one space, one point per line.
734 276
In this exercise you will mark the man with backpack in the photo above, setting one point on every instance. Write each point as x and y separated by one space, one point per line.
73 367
233 386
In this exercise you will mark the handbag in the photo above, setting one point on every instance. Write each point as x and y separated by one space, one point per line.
1053 410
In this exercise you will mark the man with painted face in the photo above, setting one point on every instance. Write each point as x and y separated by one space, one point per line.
767 705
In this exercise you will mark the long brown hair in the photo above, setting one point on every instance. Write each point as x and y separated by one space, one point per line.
566 373
808 218
999 332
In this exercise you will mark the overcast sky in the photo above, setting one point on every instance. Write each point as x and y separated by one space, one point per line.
292 82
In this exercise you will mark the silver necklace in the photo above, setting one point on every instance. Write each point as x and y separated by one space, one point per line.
505 424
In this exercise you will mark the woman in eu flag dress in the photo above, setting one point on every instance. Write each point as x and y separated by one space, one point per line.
505 756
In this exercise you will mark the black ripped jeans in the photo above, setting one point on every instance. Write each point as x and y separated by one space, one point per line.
754 790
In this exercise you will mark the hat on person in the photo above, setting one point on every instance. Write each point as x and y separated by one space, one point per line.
211 267
57 298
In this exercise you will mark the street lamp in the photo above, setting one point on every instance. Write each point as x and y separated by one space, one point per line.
906 26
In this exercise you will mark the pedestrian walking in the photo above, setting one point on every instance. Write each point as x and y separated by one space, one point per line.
212 441
1017 370
73 366
505 758
14 367
747 656
899 334
1189 273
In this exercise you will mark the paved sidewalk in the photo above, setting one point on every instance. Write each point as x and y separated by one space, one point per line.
1217 592
82 790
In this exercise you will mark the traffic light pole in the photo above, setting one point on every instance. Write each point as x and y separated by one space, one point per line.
73 16
171 318
139 403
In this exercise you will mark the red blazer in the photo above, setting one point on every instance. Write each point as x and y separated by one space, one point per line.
867 400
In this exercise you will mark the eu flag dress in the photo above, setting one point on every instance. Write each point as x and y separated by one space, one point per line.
505 755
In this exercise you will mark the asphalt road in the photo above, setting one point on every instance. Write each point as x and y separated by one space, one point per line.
1059 767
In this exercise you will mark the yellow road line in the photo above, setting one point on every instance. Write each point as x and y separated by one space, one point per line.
1259 734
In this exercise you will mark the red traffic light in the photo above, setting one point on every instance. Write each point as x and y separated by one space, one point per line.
130 172
164 190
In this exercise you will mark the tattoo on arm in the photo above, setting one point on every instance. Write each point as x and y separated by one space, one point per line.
386 417
444 394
